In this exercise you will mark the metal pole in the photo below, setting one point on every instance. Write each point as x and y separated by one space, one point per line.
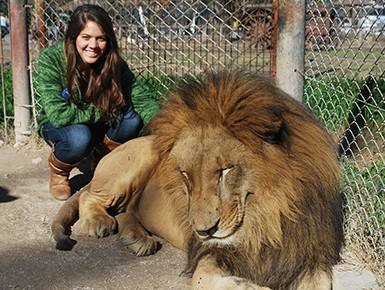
3 86
20 75
290 47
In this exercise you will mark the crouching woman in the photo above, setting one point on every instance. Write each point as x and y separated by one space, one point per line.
85 90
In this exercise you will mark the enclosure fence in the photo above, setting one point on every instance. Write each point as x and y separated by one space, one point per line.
345 86
344 76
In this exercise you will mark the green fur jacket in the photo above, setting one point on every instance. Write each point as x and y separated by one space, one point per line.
57 105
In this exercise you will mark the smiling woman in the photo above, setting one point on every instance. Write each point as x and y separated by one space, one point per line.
85 90
91 43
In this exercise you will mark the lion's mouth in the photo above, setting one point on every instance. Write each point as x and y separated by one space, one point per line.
220 235
226 232
220 240
221 230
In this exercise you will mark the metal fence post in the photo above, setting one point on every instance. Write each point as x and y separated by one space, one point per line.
290 47
20 75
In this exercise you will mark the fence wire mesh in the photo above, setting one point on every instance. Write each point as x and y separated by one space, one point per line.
166 39
176 37
345 86
344 75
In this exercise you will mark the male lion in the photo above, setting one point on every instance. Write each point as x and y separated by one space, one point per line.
236 173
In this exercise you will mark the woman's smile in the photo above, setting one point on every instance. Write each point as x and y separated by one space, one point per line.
91 43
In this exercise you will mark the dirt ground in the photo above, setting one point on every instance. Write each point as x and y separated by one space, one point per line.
29 260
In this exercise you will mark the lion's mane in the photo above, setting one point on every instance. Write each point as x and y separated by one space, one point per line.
295 229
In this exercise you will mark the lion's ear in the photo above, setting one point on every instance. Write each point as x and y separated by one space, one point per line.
266 123
272 126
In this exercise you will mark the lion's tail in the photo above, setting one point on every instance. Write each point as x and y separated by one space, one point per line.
67 215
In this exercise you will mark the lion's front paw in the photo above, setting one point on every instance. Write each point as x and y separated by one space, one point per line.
98 225
141 246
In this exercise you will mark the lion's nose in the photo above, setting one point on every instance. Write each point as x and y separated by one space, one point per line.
208 232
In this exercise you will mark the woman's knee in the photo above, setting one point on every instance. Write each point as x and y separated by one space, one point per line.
135 123
80 137
76 145
129 127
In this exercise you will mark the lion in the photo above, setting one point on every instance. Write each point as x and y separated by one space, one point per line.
233 171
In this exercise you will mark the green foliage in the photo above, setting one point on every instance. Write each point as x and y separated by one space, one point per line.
375 111
333 98
8 95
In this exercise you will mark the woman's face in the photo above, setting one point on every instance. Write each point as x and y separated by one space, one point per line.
91 43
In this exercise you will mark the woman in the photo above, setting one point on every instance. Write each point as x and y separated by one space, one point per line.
85 90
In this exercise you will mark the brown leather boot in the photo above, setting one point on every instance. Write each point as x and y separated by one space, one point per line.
58 181
101 150
111 145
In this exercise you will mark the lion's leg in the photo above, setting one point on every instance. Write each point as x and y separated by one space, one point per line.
209 276
67 215
94 218
134 236
317 281
119 176
148 212
164 215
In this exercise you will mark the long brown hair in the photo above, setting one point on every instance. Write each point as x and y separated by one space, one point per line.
102 87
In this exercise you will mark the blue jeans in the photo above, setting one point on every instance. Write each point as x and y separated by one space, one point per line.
74 142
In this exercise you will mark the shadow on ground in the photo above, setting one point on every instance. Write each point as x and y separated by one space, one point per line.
4 195
93 264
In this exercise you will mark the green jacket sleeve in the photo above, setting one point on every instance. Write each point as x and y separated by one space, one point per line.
50 82
145 99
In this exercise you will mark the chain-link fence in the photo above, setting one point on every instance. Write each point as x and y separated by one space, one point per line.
344 75
176 37
345 86
168 39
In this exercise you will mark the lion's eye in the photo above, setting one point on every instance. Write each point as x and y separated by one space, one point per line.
185 175
186 181
223 172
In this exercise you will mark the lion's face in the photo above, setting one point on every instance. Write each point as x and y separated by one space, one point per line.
214 167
